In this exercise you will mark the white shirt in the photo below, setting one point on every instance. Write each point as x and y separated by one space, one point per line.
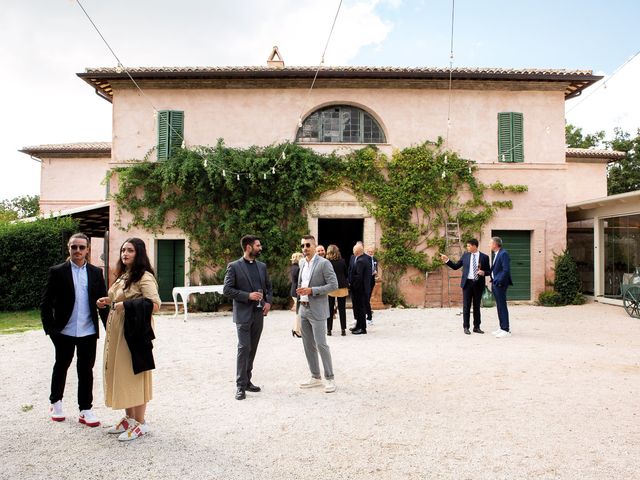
477 255
80 323
305 276
495 257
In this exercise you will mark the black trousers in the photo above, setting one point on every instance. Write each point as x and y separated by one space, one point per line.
368 304
342 311
472 295
86 357
359 304
248 339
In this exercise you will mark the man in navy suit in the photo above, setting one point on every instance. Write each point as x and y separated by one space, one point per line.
501 280
474 266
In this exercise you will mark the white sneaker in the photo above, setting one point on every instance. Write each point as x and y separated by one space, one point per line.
88 418
330 386
495 332
135 430
503 334
122 426
311 383
55 410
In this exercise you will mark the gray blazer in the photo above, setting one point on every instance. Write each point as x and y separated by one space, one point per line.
323 280
237 286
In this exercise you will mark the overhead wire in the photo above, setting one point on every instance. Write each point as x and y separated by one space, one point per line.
282 156
604 82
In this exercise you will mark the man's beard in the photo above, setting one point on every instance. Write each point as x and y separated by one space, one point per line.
255 253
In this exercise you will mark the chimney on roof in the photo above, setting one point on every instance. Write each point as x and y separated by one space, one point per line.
275 59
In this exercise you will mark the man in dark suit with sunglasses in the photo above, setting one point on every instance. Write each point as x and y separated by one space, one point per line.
70 317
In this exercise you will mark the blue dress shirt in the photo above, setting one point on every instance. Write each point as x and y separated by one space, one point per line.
80 323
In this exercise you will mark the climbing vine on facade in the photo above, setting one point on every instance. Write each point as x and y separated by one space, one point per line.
412 194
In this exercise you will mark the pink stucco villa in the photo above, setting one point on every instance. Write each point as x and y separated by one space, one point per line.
391 107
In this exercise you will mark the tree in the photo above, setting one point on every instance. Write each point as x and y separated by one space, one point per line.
624 175
19 207
576 139
566 286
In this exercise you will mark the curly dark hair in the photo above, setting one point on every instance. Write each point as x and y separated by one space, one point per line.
141 263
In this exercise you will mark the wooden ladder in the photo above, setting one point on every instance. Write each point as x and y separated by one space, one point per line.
454 249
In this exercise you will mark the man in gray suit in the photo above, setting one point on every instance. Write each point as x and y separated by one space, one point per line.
315 281
248 284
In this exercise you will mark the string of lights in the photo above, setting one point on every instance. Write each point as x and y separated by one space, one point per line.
121 68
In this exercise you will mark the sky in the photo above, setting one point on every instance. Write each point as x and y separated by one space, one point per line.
46 42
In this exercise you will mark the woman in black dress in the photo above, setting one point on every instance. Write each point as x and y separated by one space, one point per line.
340 267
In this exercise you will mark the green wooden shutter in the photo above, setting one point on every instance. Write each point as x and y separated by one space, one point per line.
170 132
517 135
176 132
505 144
510 137
163 135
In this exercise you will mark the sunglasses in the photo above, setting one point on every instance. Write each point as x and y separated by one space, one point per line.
305 245
78 247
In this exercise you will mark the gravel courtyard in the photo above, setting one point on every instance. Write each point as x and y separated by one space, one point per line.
416 399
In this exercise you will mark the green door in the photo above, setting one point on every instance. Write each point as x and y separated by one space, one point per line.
170 267
518 244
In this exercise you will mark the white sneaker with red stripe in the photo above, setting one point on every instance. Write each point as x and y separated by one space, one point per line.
122 426
55 410
88 418
135 430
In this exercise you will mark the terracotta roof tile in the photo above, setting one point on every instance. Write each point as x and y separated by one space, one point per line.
68 148
594 153
354 69
101 78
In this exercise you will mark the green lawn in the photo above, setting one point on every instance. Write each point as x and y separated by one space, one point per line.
15 322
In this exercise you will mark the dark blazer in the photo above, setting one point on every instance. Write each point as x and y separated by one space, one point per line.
238 286
340 268
138 333
465 263
59 297
501 269
360 275
294 271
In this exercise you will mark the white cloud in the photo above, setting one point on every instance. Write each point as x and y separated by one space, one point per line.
615 103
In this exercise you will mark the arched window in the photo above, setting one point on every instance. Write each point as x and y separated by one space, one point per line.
340 124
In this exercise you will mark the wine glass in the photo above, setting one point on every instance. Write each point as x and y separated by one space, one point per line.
260 305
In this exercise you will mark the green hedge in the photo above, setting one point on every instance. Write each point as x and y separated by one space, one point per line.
27 250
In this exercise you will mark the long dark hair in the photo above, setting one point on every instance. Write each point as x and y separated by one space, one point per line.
141 263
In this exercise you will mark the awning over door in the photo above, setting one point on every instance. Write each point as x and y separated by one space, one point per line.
93 219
